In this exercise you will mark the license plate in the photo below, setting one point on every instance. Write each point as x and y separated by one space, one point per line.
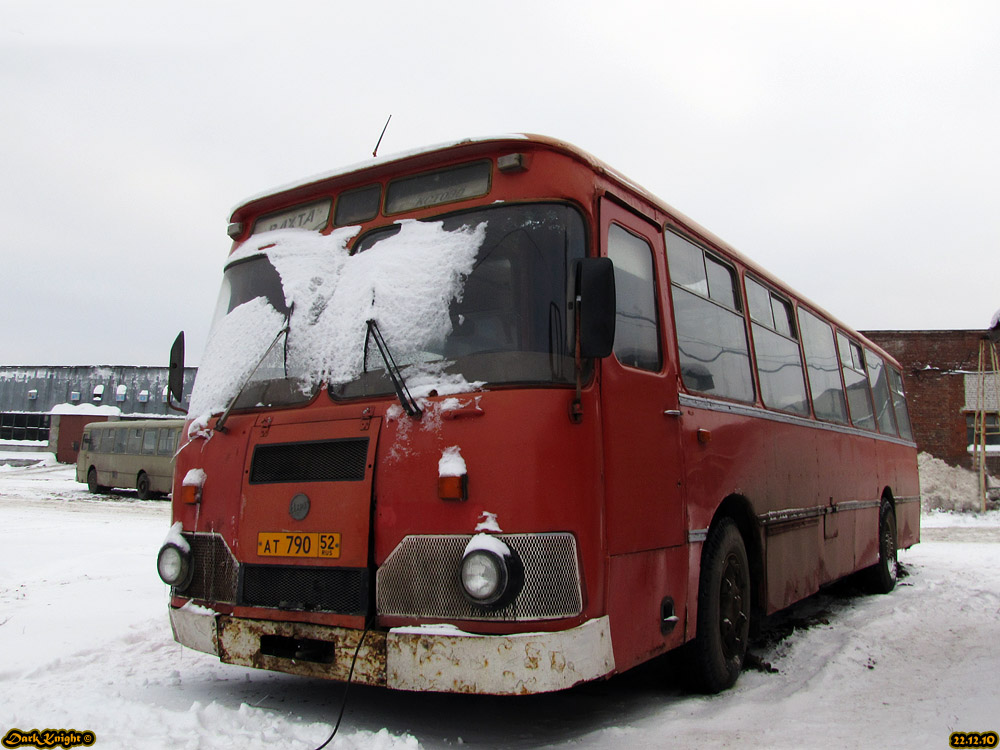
285 544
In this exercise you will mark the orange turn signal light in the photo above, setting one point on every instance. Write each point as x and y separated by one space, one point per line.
453 488
191 494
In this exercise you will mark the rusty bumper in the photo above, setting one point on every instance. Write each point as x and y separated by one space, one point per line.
429 658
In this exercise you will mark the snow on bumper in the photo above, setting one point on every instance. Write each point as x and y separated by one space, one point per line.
430 658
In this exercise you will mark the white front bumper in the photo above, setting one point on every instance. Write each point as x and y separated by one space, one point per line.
430 658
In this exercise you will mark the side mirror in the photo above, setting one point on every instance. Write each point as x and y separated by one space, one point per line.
595 289
175 380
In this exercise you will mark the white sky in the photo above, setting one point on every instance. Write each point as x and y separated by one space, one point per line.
851 147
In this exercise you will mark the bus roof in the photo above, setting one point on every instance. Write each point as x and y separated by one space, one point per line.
136 423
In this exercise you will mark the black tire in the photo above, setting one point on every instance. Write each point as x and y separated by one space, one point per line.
92 484
142 486
881 577
720 646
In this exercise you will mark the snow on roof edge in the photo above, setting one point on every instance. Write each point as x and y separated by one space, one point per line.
378 160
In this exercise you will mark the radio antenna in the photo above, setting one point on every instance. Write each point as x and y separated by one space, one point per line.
375 151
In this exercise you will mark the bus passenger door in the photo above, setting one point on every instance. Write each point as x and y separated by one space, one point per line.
644 512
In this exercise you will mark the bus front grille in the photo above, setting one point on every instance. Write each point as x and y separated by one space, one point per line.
420 578
214 570
339 590
342 460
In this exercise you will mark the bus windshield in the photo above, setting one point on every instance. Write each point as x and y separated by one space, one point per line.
474 298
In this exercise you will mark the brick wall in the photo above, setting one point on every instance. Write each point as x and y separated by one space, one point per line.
934 365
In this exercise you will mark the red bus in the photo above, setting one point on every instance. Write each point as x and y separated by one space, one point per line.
490 418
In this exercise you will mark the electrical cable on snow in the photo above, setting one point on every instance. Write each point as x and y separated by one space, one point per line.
347 687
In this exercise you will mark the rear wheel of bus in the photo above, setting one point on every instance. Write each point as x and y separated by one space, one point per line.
92 484
720 646
881 577
142 486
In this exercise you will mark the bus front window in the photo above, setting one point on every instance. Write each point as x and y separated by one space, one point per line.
472 299
512 322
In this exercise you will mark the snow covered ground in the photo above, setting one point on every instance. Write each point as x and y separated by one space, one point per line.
85 644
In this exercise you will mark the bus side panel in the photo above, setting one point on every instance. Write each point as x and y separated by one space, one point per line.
898 472
790 573
160 482
636 586
724 455
794 547
843 462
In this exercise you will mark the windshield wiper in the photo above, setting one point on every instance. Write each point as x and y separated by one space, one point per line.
407 401
220 423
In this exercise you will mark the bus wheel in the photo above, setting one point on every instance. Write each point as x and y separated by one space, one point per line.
881 577
92 484
723 609
142 486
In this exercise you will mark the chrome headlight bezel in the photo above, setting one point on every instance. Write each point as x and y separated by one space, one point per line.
491 575
484 575
173 564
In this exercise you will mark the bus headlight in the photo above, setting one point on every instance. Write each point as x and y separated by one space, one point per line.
484 576
174 565
489 572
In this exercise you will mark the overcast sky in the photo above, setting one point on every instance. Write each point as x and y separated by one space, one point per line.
851 147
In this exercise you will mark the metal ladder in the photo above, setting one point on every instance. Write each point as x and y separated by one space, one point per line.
986 419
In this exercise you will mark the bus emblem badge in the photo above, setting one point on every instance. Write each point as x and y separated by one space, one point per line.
299 507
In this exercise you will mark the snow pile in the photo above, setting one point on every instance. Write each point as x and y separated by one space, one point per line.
17 459
237 343
487 543
944 487
430 379
85 643
405 283
194 478
86 409
177 539
488 522
451 463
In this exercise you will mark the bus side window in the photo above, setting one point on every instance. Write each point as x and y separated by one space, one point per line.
637 337
859 396
121 440
821 364
899 403
168 439
880 390
708 316
134 440
779 362
149 441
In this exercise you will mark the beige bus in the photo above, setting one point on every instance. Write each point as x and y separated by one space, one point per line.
137 454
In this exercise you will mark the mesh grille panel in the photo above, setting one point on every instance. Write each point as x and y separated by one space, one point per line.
324 461
340 590
214 569
421 579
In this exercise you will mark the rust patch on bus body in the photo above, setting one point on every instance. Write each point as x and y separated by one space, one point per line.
303 649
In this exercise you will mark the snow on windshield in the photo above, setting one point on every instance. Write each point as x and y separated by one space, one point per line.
237 343
405 282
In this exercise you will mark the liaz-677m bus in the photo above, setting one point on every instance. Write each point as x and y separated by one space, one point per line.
132 454
490 418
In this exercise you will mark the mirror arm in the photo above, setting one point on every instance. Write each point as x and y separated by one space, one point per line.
576 405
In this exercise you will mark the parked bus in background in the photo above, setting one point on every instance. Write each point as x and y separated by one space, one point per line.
132 455
491 418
